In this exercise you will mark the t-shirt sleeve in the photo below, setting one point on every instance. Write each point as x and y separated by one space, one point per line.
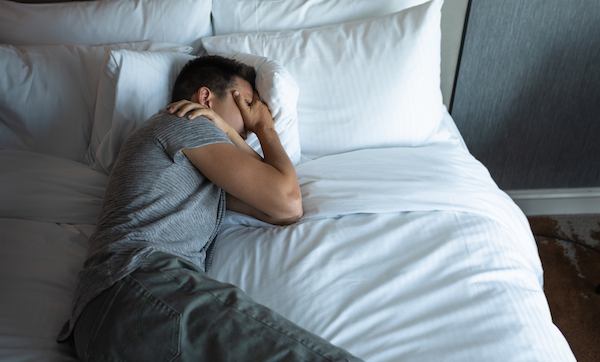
175 134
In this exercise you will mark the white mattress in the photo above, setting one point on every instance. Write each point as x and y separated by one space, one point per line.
408 254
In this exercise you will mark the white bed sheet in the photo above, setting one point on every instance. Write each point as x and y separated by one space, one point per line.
418 286
46 188
48 210
38 270
403 254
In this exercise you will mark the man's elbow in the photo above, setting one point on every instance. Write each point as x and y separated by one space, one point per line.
291 212
294 216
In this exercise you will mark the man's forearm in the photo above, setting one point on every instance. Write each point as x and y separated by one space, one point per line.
237 205
273 151
276 157
276 191
239 142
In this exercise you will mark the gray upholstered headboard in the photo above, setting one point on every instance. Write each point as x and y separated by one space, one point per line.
527 91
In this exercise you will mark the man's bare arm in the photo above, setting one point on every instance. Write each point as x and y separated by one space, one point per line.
271 187
237 205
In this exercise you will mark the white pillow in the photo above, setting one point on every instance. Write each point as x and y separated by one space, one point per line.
135 85
363 84
48 95
249 16
105 22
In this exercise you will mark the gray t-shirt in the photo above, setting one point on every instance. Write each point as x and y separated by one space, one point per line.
156 200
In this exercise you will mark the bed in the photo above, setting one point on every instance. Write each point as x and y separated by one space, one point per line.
407 250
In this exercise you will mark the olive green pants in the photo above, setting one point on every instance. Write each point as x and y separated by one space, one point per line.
170 310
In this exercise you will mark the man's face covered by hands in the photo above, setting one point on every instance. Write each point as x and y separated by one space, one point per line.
240 111
229 110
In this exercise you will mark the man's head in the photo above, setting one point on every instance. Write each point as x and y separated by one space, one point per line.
214 72
211 80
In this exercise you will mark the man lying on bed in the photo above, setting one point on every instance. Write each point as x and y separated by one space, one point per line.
143 294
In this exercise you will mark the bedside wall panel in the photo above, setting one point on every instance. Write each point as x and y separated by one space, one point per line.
527 93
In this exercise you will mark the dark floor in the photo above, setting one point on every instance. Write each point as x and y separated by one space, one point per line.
571 278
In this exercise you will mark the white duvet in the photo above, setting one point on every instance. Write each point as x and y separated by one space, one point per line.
403 254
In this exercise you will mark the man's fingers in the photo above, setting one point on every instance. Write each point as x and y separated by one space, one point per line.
198 112
240 101
185 109
184 106
173 107
256 99
243 105
188 107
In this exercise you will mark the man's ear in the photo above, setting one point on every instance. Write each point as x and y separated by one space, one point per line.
204 96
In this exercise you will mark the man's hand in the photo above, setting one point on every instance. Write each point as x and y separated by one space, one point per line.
194 110
255 114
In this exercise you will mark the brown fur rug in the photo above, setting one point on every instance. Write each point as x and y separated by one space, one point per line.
572 278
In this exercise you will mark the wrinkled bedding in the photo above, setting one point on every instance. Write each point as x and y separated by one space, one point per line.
400 251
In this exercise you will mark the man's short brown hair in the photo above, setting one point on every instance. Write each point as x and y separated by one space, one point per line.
214 72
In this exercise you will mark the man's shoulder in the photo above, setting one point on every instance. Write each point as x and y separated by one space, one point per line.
162 116
163 119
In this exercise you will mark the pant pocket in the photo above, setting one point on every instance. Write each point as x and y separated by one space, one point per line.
135 326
